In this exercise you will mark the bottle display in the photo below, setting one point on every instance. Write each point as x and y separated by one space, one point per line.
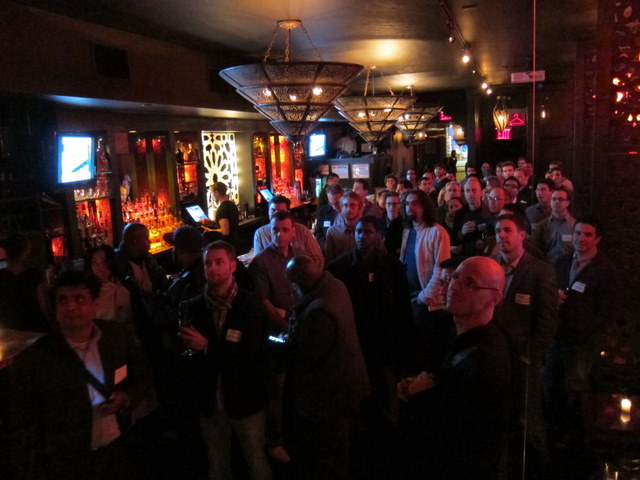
94 223
156 216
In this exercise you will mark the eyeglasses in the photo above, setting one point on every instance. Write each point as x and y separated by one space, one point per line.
392 203
466 283
494 199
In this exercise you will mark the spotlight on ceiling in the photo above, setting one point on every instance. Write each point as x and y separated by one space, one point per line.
466 56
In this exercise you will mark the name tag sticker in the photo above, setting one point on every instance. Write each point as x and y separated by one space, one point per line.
120 374
234 335
567 237
327 223
578 287
523 299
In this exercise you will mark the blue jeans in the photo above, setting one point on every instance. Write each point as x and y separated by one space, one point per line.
217 431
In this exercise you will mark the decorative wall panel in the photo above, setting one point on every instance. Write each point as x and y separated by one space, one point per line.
221 165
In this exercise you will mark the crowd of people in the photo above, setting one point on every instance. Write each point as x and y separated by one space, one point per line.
434 329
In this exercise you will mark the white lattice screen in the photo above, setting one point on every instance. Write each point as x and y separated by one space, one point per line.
220 164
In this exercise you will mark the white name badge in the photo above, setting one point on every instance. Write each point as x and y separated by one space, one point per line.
578 287
234 335
327 223
523 299
567 237
120 374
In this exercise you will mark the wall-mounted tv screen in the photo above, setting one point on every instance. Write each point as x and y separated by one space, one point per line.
76 158
317 145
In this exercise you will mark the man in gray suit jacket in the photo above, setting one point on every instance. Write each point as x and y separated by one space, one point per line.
326 375
528 315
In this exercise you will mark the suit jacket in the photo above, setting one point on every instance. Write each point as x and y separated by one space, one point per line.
326 373
592 299
528 311
235 357
50 417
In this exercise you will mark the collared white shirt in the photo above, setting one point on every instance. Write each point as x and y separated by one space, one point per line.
104 428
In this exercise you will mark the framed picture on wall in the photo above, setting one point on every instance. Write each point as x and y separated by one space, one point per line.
342 170
359 170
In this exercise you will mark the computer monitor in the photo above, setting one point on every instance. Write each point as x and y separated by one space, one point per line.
196 213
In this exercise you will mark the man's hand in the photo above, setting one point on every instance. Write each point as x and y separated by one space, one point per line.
412 385
117 401
193 339
562 297
468 227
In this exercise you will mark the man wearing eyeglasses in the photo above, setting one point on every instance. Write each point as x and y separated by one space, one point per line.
554 235
464 411
390 225
528 316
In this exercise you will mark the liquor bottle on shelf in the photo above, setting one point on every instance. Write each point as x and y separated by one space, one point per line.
156 216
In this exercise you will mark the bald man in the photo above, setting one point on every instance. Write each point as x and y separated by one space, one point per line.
464 413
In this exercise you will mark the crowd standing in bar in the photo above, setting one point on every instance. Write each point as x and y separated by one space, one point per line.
443 330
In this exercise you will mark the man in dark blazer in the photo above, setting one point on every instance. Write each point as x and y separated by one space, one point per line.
326 375
528 316
589 305
228 333
70 392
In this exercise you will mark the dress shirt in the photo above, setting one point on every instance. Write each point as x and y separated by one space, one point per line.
104 429
303 242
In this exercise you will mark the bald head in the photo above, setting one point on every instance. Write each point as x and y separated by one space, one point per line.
303 272
474 292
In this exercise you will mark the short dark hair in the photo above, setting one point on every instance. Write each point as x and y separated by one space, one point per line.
511 179
363 182
187 239
276 199
335 189
128 233
369 219
563 189
439 165
518 220
526 160
220 245
353 196
390 193
15 245
332 175
548 182
429 211
590 220
508 163
391 175
75 278
556 169
406 183
282 215
220 187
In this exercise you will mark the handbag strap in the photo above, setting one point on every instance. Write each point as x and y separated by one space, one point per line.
97 384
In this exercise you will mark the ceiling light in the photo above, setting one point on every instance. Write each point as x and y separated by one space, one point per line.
485 85
415 120
500 115
466 56
293 95
489 91
373 115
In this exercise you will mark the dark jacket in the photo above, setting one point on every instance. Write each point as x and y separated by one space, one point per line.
592 302
463 419
50 417
528 311
238 364
326 373
380 296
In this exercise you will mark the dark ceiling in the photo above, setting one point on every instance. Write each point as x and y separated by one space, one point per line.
407 40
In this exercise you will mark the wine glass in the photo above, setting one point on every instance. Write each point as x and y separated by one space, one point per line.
184 321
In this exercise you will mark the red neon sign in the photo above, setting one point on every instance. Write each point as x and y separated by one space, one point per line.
503 134
516 120
444 117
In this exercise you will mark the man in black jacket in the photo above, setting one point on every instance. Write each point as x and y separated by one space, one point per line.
228 333
588 292
70 392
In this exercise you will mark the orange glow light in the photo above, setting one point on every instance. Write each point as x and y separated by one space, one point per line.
616 81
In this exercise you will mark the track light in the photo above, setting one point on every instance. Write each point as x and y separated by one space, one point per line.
466 56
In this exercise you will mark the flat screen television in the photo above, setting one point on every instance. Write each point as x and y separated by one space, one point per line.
317 145
76 158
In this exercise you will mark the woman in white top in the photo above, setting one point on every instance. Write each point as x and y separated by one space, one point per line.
114 302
